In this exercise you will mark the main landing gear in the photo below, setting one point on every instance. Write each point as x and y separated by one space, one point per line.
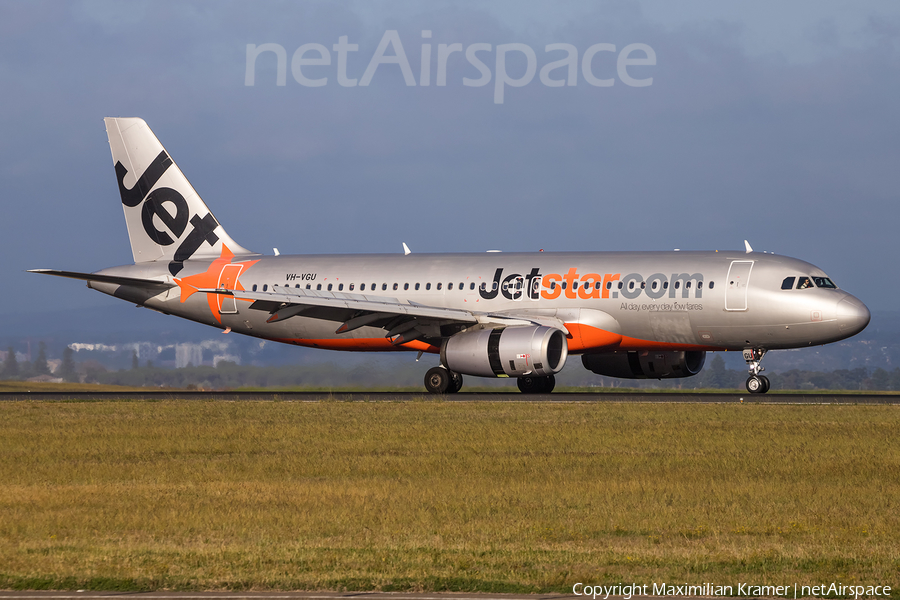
756 383
536 385
440 380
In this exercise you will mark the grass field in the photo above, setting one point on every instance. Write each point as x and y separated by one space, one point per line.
445 496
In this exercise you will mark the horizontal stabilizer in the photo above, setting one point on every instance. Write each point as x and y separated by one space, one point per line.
114 279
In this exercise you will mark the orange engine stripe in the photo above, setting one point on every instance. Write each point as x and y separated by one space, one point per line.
630 343
584 338
581 338
362 344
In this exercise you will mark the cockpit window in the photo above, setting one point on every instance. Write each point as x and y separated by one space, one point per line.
824 282
804 283
788 283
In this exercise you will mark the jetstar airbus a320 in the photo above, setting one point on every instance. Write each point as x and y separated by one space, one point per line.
628 314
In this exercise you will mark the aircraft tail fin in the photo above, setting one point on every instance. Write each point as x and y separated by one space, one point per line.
167 220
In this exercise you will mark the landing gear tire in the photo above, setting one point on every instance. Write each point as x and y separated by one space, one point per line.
536 385
456 383
757 384
437 380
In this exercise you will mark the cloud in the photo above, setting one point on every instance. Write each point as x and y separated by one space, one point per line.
734 139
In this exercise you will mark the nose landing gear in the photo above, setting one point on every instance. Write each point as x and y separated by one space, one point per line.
756 383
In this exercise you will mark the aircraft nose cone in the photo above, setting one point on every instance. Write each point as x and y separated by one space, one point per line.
852 316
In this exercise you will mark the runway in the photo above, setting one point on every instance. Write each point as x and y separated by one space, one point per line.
502 396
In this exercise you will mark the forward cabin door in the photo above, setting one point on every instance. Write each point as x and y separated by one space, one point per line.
737 284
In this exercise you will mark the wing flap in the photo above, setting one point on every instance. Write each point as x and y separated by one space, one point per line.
272 301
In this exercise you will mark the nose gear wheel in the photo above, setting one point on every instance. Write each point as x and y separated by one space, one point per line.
756 383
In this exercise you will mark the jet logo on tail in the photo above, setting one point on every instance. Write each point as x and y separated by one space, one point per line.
155 205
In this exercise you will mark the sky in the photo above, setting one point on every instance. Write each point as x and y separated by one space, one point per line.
695 125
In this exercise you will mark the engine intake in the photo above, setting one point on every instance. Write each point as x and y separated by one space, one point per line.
512 351
646 364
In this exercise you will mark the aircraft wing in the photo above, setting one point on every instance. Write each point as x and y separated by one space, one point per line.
403 321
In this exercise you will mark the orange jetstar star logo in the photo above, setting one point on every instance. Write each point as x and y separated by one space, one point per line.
220 274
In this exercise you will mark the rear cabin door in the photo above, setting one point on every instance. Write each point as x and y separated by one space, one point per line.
737 284
228 280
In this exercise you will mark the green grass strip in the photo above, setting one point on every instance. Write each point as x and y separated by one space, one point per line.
490 497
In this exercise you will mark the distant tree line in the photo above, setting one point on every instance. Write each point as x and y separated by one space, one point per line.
13 369
228 375
716 376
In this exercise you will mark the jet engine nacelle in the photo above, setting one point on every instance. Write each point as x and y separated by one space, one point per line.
512 351
646 364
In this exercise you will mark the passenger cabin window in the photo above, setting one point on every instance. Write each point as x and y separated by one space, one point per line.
471 286
405 286
395 286
309 286
254 287
319 287
362 287
449 286
804 283
329 287
788 283
265 287
417 287
712 284
824 282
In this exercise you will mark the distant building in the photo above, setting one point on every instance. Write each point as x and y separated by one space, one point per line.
45 379
188 354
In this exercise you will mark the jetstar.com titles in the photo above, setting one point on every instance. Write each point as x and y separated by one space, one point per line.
535 285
